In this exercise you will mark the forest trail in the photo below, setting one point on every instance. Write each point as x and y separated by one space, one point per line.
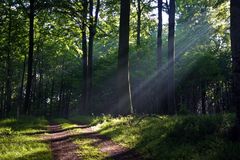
63 148
106 145
61 144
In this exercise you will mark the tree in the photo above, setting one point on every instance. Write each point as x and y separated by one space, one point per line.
92 31
159 35
139 13
85 53
171 58
30 59
235 46
123 77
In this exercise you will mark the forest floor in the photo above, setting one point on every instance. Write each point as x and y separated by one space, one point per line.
76 142
135 137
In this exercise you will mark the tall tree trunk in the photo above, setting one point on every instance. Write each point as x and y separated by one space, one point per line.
8 66
139 14
51 97
21 87
159 35
124 92
2 101
235 46
160 78
40 83
84 58
171 59
27 105
92 32
203 97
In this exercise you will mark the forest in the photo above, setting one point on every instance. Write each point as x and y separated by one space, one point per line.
119 79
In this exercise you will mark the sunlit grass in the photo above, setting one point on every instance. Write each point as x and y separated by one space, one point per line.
64 123
87 150
17 141
178 137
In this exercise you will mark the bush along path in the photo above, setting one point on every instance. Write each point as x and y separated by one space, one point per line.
83 142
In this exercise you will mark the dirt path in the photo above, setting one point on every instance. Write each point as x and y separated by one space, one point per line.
106 145
61 144
64 149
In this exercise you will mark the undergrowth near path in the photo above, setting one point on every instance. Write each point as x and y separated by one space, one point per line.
18 142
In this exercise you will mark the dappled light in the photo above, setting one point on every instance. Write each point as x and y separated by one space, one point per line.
119 79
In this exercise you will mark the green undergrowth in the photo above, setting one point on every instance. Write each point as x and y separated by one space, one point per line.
177 137
64 123
87 150
19 139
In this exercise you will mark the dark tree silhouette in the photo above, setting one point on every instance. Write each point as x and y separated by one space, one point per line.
235 46
171 59
123 82
27 105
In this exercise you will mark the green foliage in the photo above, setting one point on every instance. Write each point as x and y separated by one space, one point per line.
179 137
87 151
64 123
17 141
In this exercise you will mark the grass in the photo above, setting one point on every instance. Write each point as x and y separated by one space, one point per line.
64 123
178 137
17 141
86 150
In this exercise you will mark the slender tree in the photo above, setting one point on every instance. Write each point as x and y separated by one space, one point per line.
235 46
159 34
160 86
27 104
92 31
139 13
85 54
123 82
171 58
8 64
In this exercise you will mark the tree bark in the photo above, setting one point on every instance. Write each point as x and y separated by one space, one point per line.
27 105
235 46
159 35
8 66
124 93
51 97
139 13
21 87
160 78
203 97
171 59
92 32
85 54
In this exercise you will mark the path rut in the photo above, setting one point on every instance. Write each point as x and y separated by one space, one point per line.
63 147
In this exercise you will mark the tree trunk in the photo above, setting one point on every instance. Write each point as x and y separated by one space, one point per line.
51 98
171 59
160 78
124 93
235 46
8 67
159 36
27 105
203 97
2 101
84 58
20 104
139 13
92 32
